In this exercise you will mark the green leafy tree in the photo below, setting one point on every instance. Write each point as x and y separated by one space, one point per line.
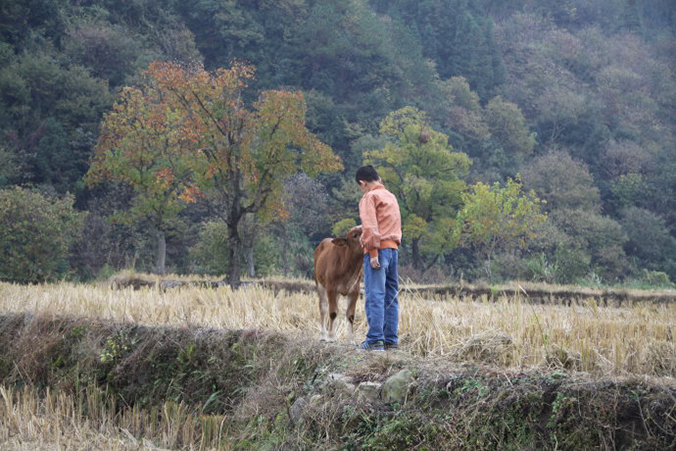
565 183
628 190
344 50
464 111
495 137
23 21
599 236
111 52
344 199
210 254
9 167
142 144
50 114
458 36
507 126
625 157
421 169
540 60
495 218
648 240
36 233
341 227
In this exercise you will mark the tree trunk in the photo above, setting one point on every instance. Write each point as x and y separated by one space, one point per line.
250 264
489 272
415 253
249 230
285 251
161 256
432 263
234 254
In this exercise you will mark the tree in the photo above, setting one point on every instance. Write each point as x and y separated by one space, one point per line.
240 157
421 169
649 240
496 137
36 233
109 51
562 181
464 110
540 59
9 167
508 128
458 36
628 190
49 115
601 236
624 157
499 218
343 204
306 201
210 254
22 20
142 144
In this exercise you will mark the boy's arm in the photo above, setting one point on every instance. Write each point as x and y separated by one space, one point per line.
370 237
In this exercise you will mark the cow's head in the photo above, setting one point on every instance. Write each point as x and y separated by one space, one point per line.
351 240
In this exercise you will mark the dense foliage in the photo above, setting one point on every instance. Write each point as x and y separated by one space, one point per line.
578 97
36 232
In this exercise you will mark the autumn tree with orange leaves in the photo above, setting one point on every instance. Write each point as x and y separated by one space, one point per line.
236 158
142 144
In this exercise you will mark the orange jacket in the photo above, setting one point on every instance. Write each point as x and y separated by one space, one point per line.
380 220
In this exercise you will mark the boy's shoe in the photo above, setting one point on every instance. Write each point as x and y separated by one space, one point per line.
391 346
375 346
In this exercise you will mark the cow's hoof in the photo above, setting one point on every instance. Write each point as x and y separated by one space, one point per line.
323 338
331 339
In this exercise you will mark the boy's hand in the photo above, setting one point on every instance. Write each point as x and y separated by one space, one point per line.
375 264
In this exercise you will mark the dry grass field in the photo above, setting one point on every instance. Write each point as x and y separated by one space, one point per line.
56 421
508 333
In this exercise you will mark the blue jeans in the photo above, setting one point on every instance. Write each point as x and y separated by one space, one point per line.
382 304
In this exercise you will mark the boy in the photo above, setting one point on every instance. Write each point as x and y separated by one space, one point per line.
381 237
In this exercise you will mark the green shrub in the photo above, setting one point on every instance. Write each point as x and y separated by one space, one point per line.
343 226
36 232
210 254
571 264
655 279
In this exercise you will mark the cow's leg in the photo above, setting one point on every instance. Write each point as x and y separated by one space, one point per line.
351 307
323 308
333 312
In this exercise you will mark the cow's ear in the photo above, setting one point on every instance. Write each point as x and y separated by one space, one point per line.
339 241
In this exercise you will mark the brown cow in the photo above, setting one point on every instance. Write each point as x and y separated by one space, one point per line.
338 270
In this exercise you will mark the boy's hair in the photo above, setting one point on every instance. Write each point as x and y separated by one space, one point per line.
367 174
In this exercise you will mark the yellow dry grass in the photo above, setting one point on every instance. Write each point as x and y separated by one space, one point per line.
507 333
577 290
55 421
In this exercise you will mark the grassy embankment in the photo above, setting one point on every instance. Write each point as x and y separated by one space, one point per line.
504 332
497 373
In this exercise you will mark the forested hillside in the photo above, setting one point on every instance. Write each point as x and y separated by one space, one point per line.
530 139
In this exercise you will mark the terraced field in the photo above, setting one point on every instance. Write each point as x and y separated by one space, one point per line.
199 368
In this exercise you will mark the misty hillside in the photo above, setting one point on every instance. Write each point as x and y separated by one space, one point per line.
577 98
